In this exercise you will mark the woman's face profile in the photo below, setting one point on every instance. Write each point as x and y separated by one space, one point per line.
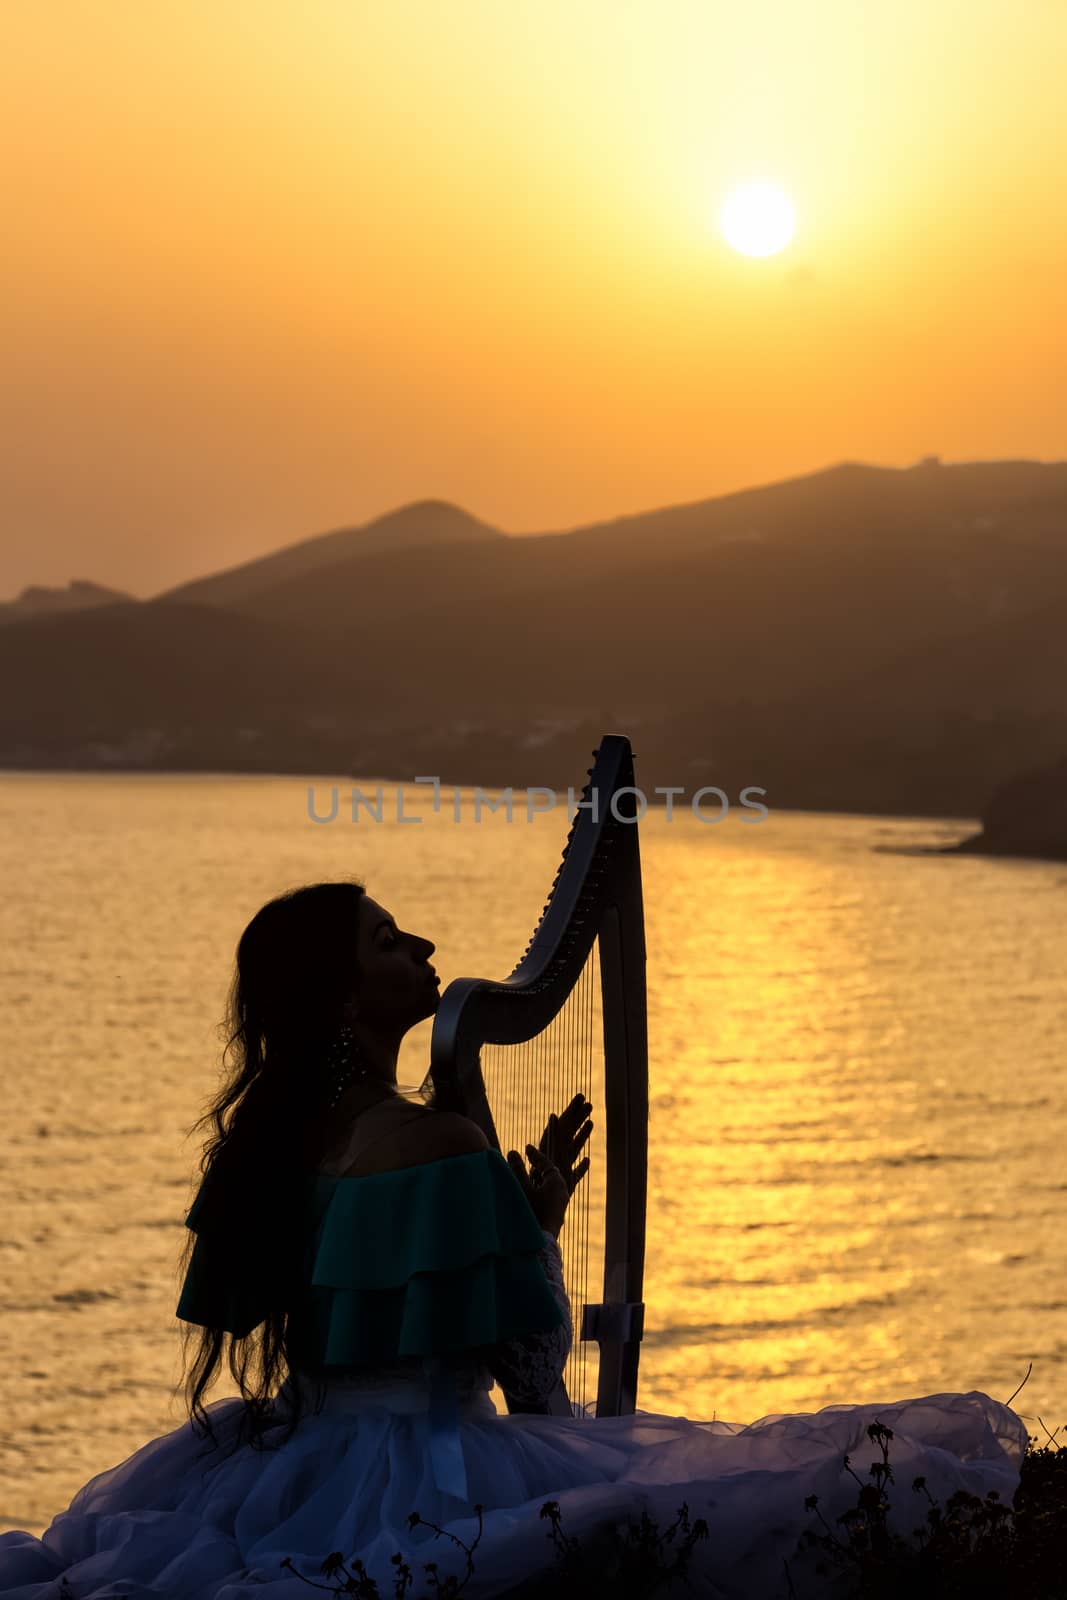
397 985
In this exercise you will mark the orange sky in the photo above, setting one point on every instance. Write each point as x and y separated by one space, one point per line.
275 266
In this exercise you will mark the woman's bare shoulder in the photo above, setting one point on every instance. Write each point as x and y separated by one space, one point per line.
453 1135
420 1135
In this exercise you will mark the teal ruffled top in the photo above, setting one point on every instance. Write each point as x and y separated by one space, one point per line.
423 1261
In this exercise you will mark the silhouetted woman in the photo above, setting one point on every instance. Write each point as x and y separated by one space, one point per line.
368 1267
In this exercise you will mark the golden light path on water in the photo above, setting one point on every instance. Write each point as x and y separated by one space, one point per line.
857 1187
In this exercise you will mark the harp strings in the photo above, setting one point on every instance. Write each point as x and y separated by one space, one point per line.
524 1084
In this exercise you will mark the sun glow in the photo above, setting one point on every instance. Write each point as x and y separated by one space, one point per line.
757 218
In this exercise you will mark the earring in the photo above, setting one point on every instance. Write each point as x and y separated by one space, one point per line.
340 1066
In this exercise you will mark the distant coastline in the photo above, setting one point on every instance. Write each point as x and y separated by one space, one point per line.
1021 850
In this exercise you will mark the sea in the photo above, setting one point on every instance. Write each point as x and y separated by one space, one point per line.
858 1127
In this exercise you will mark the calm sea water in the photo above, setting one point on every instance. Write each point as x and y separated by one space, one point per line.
858 1180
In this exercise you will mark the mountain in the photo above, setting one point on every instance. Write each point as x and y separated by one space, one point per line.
847 509
862 638
424 523
799 587
79 595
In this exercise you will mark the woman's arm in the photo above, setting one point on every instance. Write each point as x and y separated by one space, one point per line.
528 1368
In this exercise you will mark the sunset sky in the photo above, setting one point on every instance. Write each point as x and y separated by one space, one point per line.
271 267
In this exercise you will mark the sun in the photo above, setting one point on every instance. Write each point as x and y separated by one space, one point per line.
757 218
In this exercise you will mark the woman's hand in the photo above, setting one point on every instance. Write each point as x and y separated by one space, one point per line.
555 1171
544 1187
564 1137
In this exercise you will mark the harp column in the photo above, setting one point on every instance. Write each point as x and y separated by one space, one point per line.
617 1323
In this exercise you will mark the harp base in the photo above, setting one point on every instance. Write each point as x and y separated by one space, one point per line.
615 1321
617 1327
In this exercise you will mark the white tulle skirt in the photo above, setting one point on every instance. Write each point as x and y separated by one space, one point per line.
171 1521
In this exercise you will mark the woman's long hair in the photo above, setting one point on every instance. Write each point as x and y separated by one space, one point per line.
295 970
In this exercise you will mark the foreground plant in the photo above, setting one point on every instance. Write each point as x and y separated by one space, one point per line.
631 1562
970 1547
358 1583
628 1562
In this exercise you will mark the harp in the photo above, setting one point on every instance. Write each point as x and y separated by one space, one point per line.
570 1018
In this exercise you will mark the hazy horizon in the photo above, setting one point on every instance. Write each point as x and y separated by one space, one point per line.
272 271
